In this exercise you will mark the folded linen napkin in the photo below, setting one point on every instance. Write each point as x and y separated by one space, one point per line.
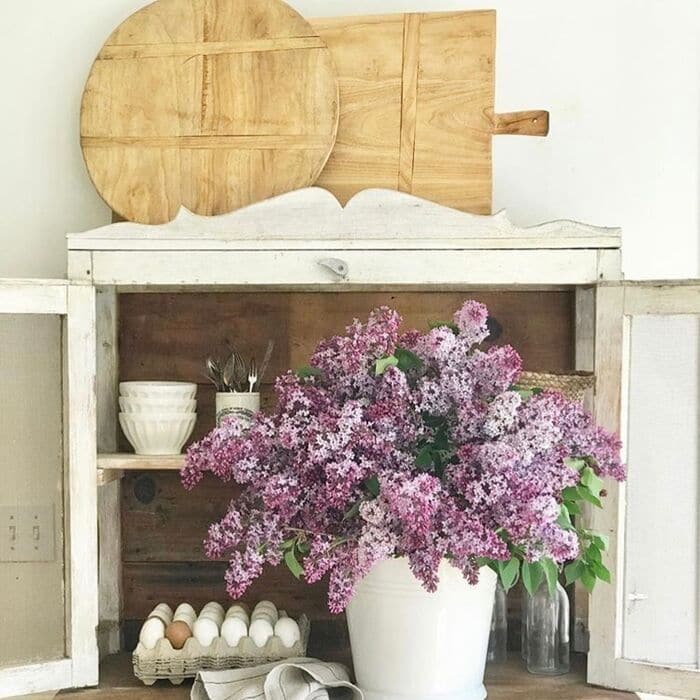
290 679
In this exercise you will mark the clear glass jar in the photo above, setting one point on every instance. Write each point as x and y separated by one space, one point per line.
523 624
547 620
498 639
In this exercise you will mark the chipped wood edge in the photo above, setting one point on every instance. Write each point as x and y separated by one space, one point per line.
604 603
82 593
312 217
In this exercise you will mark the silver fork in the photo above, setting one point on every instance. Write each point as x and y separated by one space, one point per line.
252 374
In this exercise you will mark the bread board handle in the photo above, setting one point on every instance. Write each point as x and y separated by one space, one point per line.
526 123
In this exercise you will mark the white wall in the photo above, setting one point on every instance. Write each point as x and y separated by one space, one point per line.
621 79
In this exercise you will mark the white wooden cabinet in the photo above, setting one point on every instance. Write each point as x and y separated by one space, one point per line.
306 241
645 627
74 546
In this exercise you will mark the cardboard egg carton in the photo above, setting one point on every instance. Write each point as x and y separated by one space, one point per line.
165 663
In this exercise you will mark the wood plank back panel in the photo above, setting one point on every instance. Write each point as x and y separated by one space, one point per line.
167 336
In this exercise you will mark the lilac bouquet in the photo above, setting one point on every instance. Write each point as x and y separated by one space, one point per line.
410 445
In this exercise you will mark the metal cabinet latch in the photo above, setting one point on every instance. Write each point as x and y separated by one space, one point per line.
336 266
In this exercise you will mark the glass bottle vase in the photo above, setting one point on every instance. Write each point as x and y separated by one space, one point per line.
547 631
498 639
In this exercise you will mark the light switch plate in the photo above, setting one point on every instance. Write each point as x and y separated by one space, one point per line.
27 533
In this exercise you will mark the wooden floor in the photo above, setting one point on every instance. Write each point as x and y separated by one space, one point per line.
507 681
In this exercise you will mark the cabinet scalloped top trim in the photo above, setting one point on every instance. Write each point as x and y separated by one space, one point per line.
312 216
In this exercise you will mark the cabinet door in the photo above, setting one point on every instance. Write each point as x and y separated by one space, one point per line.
48 515
645 627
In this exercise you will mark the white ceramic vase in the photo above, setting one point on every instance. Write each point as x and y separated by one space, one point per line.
409 644
237 403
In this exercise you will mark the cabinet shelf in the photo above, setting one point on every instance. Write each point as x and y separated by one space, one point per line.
123 461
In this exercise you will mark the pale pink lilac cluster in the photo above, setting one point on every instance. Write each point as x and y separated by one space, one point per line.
439 458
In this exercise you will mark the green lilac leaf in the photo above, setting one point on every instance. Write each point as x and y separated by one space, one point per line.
424 458
508 573
307 371
571 493
383 363
372 485
588 579
532 575
601 541
572 507
551 573
575 463
586 495
407 360
444 324
290 559
601 571
593 554
564 519
592 481
573 571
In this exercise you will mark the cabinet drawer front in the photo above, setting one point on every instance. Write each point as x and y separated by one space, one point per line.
288 268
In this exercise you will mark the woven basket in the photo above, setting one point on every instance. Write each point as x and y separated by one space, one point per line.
572 384
175 665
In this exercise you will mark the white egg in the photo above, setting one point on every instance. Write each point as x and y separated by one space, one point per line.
233 630
212 614
239 611
260 631
205 630
266 609
185 608
152 631
213 605
186 617
288 631
164 612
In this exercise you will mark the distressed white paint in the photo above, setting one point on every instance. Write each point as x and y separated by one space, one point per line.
76 303
312 217
82 483
281 268
617 632
33 296
380 237
35 678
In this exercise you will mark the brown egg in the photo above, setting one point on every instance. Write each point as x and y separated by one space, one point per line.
177 633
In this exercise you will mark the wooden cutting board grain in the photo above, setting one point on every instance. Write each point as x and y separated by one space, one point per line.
417 107
210 104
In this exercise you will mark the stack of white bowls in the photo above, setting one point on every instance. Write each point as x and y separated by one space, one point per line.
157 417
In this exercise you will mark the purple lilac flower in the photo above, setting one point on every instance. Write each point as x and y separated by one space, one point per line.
334 469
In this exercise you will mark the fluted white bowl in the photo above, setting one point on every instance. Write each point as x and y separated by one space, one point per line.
164 434
138 405
158 390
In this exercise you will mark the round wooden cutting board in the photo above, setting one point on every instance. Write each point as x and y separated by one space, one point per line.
210 104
